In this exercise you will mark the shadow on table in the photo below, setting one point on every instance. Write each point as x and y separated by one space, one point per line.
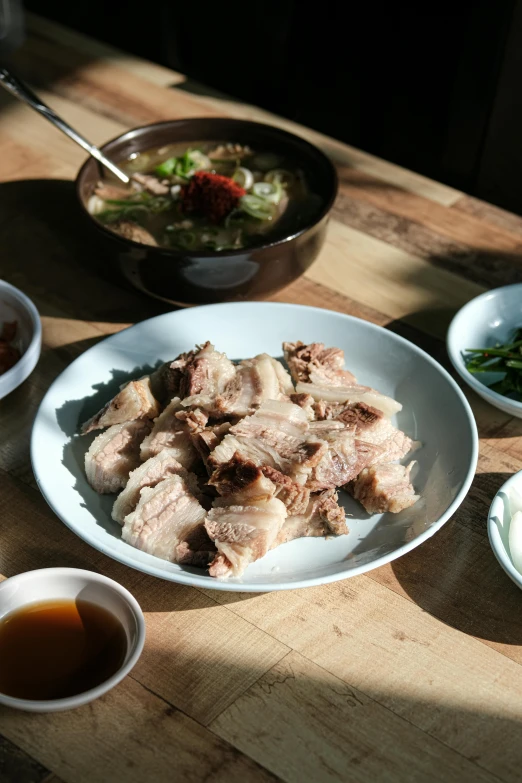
455 576
50 249
412 329
294 722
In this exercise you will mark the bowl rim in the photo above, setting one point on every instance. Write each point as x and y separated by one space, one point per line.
70 702
495 540
455 355
20 371
209 253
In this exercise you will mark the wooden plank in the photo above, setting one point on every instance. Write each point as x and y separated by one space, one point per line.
459 226
129 735
392 281
109 89
308 292
42 139
436 677
306 725
486 268
489 213
200 659
17 767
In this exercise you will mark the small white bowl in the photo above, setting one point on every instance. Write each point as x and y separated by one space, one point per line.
488 319
499 520
49 584
16 306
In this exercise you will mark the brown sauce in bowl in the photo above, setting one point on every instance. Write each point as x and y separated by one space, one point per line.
56 649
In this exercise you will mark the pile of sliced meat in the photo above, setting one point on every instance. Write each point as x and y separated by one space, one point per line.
218 462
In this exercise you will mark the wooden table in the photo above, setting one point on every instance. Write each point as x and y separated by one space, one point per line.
409 673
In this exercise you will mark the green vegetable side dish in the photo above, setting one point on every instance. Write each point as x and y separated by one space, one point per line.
500 358
275 200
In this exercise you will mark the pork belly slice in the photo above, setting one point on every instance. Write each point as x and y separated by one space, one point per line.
322 517
195 420
317 365
307 403
167 380
255 450
148 474
205 375
247 481
276 435
168 523
113 454
257 380
384 487
253 381
242 479
134 401
345 458
205 440
295 496
141 398
351 394
170 432
373 427
242 533
370 425
281 424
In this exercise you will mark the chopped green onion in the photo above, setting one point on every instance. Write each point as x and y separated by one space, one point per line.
184 166
199 160
166 169
257 207
270 191
244 178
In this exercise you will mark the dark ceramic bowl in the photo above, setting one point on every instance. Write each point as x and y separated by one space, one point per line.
188 277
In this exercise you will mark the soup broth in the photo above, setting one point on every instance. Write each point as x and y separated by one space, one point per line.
209 196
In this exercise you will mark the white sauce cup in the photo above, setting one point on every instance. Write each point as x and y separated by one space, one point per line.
62 584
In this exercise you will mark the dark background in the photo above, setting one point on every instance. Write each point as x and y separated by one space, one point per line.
433 86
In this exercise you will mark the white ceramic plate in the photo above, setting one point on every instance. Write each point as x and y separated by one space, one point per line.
435 412
490 318
499 520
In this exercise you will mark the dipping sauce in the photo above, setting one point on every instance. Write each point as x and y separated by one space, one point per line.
56 649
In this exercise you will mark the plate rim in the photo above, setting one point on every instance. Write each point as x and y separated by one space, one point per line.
195 580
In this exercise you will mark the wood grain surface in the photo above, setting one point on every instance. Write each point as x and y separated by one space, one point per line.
412 672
